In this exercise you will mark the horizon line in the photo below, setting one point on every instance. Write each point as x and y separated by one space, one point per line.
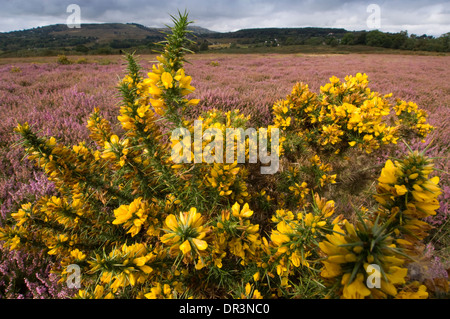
213 31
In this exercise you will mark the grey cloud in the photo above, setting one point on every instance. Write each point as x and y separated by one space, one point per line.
232 15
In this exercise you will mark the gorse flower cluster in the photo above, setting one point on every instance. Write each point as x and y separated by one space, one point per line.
350 253
221 179
407 195
141 226
391 237
408 113
346 114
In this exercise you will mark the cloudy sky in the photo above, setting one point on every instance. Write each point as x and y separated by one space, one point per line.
415 16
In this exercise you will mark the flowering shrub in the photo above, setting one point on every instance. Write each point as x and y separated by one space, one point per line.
346 115
140 226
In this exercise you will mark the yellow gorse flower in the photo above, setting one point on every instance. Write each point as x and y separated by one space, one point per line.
124 266
235 235
185 232
408 194
22 215
116 148
349 253
408 113
98 293
133 216
296 235
245 212
100 128
167 80
160 292
413 291
250 293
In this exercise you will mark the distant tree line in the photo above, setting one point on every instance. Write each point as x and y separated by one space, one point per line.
42 41
335 37
400 40
54 40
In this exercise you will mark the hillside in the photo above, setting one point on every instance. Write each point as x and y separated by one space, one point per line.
59 35
92 36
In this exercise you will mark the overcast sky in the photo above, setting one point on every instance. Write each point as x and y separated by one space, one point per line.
415 16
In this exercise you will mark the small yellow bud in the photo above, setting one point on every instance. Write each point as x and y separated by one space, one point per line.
358 249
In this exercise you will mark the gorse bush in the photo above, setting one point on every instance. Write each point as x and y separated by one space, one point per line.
81 61
63 60
346 114
140 225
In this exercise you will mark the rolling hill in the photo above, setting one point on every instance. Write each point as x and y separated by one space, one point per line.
123 36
